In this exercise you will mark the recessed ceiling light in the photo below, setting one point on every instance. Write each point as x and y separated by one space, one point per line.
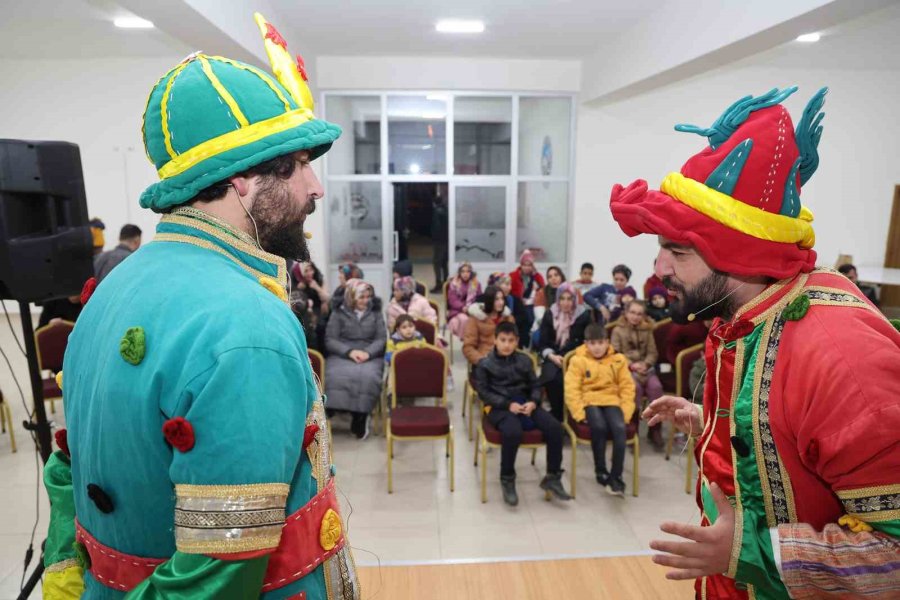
459 26
132 23
809 37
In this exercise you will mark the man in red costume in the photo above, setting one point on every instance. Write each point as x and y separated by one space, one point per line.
799 483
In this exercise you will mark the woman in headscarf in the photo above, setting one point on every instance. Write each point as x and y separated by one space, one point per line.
346 272
407 301
546 296
355 340
462 291
562 330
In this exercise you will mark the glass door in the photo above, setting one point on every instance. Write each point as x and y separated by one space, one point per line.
479 214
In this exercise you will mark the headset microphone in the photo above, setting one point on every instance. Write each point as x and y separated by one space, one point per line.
693 316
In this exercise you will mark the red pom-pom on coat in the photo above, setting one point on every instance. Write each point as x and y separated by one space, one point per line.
62 440
89 286
309 435
180 433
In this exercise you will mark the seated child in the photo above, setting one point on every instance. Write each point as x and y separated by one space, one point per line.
506 382
405 336
600 390
585 281
659 304
633 337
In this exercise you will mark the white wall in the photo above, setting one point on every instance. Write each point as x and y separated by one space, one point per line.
96 104
850 194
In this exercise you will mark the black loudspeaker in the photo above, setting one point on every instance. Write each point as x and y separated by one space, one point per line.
46 249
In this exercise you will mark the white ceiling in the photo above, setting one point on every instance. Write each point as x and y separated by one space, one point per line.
514 28
76 29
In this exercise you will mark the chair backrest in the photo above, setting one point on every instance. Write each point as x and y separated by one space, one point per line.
437 309
427 329
318 366
532 356
683 364
51 341
660 336
419 372
421 288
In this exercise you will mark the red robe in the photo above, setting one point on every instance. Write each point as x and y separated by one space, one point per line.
802 413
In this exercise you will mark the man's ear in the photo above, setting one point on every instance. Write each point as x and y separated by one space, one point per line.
241 184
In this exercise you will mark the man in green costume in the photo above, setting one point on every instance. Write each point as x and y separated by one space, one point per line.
197 461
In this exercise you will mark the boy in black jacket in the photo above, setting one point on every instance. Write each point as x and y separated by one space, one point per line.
506 382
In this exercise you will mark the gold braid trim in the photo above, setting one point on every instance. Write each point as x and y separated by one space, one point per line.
232 491
61 565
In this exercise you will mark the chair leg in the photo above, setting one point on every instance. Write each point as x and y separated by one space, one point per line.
533 455
574 445
476 451
690 463
483 470
12 429
452 459
451 347
3 418
635 484
465 399
52 406
390 458
471 424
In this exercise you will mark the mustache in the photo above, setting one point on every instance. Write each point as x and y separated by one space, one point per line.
670 284
310 206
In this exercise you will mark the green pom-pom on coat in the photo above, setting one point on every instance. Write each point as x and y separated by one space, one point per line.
133 345
797 309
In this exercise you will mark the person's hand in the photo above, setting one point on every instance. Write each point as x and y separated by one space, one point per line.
684 415
708 552
515 408
606 314
528 408
641 367
557 360
358 356
364 356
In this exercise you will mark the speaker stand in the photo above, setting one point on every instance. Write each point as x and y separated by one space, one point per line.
39 425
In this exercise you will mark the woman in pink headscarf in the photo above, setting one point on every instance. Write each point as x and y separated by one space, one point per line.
462 291
562 330
406 301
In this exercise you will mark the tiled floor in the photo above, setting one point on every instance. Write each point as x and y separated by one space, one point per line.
422 521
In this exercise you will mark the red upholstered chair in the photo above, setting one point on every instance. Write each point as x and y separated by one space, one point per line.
50 341
6 421
660 336
415 373
490 437
581 434
683 364
317 361
427 329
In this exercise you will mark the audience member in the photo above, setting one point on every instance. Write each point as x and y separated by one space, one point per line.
658 306
653 282
440 238
309 301
404 335
546 296
562 330
65 309
407 301
609 298
516 306
526 282
633 337
849 271
506 383
462 292
345 273
99 241
355 340
585 282
486 314
600 390
404 268
129 241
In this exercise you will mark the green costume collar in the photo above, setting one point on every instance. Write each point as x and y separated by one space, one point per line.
192 226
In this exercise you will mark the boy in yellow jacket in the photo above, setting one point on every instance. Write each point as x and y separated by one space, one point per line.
600 390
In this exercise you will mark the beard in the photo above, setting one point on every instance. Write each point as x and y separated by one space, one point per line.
701 299
279 220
